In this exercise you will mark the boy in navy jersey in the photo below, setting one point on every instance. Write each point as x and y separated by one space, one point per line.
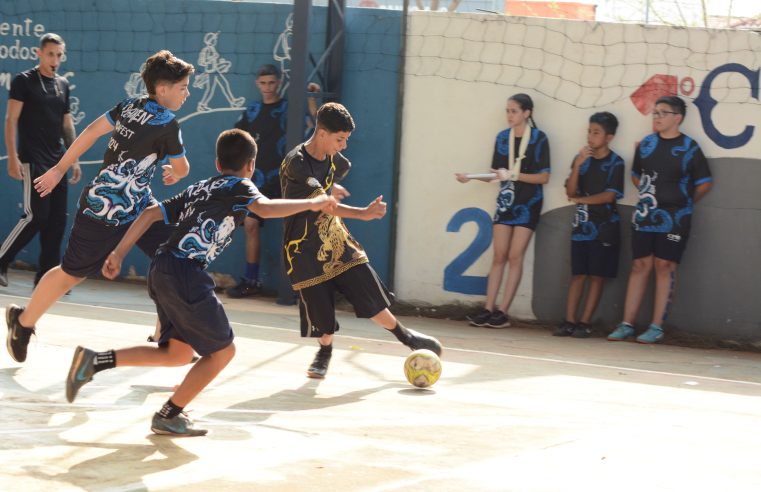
144 133
595 183
671 174
191 316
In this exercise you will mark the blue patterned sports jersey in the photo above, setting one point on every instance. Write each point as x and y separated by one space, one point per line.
599 222
519 203
206 215
267 123
668 171
145 134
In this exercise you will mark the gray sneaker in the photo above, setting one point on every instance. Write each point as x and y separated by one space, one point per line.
81 371
18 336
179 425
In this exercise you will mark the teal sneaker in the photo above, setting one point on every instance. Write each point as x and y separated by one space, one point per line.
180 425
653 334
81 371
621 333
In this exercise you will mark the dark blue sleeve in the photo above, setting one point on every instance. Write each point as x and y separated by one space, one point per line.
616 178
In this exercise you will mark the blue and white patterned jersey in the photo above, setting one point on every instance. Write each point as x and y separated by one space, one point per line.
668 171
206 215
599 222
145 134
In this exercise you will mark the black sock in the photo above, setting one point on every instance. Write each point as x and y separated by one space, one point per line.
169 410
104 360
401 333
326 349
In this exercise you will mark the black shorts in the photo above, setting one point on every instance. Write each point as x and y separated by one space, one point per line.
188 308
361 287
663 245
270 190
91 242
594 258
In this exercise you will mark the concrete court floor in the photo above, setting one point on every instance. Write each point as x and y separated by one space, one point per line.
516 409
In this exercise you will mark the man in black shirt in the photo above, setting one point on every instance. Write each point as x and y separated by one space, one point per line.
38 115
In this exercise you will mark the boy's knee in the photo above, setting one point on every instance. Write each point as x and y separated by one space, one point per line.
224 355
251 227
662 266
640 265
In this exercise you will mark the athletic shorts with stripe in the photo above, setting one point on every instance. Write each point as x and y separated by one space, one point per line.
360 286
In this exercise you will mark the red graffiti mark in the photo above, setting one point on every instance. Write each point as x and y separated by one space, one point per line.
658 85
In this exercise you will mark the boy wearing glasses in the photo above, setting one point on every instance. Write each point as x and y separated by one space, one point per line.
671 174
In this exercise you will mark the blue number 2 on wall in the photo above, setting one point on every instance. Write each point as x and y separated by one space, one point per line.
454 280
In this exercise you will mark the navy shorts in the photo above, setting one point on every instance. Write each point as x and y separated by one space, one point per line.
666 246
188 308
594 258
91 242
361 287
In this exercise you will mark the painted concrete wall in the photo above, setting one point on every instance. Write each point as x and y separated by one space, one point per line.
461 69
108 40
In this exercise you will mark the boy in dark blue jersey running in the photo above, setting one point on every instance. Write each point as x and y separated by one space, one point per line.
595 183
192 317
671 174
144 133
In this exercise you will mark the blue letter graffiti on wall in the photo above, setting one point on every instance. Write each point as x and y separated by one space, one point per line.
706 103
454 280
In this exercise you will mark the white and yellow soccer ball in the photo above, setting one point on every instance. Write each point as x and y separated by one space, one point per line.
422 368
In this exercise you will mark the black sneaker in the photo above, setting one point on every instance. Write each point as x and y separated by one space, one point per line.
4 276
18 336
498 319
583 330
479 318
180 425
81 371
417 341
245 288
319 366
565 329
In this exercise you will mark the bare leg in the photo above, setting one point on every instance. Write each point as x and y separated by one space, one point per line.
201 374
518 245
53 285
500 245
253 241
177 353
635 289
593 298
665 283
574 297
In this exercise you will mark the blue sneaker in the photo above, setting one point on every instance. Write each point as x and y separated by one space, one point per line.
621 333
180 425
81 371
653 334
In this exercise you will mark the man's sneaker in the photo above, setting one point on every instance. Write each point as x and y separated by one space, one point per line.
621 333
18 336
479 318
653 334
81 371
417 341
179 425
565 329
582 330
244 288
319 366
498 319
4 276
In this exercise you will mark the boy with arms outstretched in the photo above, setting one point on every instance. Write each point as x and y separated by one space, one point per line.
321 256
191 316
144 132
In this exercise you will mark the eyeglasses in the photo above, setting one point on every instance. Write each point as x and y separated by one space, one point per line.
661 114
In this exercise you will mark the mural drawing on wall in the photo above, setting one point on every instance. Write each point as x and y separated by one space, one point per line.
135 87
282 54
76 115
214 69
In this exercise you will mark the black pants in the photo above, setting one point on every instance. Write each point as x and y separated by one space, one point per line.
44 215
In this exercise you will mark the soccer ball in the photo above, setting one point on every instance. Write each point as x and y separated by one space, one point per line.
422 368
